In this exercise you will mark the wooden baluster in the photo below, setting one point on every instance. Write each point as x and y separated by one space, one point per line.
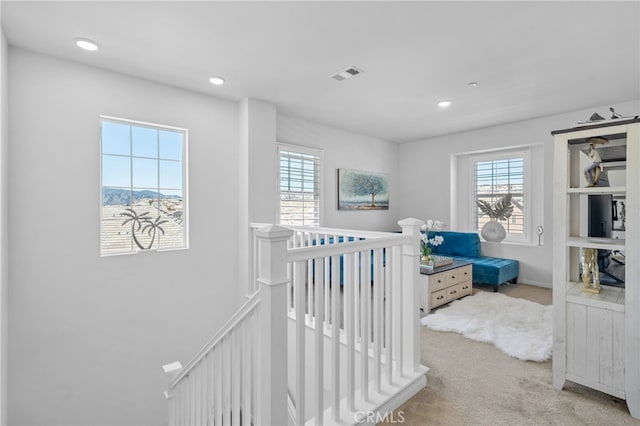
202 373
350 327
219 406
177 411
236 356
327 278
365 303
311 266
335 336
319 339
298 274
211 386
247 370
377 317
388 314
228 384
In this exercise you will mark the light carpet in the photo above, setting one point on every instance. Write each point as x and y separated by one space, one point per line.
518 327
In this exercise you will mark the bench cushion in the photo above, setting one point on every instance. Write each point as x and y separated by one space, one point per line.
492 270
465 246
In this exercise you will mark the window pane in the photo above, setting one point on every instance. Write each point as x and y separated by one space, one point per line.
170 174
116 171
170 145
115 138
171 204
115 237
145 173
137 212
144 142
494 179
299 189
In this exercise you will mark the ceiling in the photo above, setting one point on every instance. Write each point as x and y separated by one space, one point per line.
529 59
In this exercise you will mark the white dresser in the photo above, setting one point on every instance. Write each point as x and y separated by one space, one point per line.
444 284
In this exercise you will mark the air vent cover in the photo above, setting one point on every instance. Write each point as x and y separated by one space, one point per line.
347 73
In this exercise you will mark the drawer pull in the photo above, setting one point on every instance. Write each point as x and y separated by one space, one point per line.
452 292
439 297
439 281
453 277
465 287
466 273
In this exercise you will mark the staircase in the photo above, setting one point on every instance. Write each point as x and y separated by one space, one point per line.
329 336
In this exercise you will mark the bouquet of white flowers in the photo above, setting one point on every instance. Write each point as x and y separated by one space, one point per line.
427 242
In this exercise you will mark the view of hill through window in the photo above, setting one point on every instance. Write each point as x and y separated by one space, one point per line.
143 193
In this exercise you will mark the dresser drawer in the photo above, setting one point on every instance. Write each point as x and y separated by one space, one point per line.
438 281
465 273
452 277
438 298
466 288
453 292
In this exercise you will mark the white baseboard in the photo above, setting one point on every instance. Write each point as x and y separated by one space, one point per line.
537 284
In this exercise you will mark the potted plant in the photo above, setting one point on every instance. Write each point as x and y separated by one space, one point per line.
500 210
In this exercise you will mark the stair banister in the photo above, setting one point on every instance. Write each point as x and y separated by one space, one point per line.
272 359
243 376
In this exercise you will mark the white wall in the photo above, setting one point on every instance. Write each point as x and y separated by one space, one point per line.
344 149
4 141
257 180
88 335
425 179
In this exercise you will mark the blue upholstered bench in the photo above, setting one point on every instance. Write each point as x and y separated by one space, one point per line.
465 246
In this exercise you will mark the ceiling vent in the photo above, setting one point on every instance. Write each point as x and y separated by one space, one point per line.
347 73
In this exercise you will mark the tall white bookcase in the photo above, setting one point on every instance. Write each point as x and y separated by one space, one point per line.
596 337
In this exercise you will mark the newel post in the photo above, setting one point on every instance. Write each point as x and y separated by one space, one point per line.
411 294
272 328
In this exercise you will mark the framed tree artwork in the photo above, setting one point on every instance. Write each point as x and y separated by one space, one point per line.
358 190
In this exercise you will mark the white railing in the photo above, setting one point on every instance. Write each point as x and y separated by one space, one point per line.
355 351
216 386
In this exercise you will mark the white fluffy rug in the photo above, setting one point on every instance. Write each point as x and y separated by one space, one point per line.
520 328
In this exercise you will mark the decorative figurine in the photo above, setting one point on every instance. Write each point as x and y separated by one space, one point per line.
614 114
590 270
593 171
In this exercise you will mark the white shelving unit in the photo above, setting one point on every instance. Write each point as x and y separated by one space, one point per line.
596 336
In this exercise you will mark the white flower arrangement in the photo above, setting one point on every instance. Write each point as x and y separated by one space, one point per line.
433 225
427 242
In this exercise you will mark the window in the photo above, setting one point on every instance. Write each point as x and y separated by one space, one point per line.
143 174
493 177
299 179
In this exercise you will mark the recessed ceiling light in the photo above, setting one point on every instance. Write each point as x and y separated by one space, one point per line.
473 84
87 44
218 81
444 104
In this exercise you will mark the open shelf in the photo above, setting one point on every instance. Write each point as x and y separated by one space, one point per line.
594 190
609 297
596 243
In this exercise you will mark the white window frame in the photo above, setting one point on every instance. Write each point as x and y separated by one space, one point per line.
504 154
185 183
307 151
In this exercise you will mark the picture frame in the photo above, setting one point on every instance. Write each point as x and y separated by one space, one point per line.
362 190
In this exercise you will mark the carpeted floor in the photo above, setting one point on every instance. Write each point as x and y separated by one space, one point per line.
471 383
